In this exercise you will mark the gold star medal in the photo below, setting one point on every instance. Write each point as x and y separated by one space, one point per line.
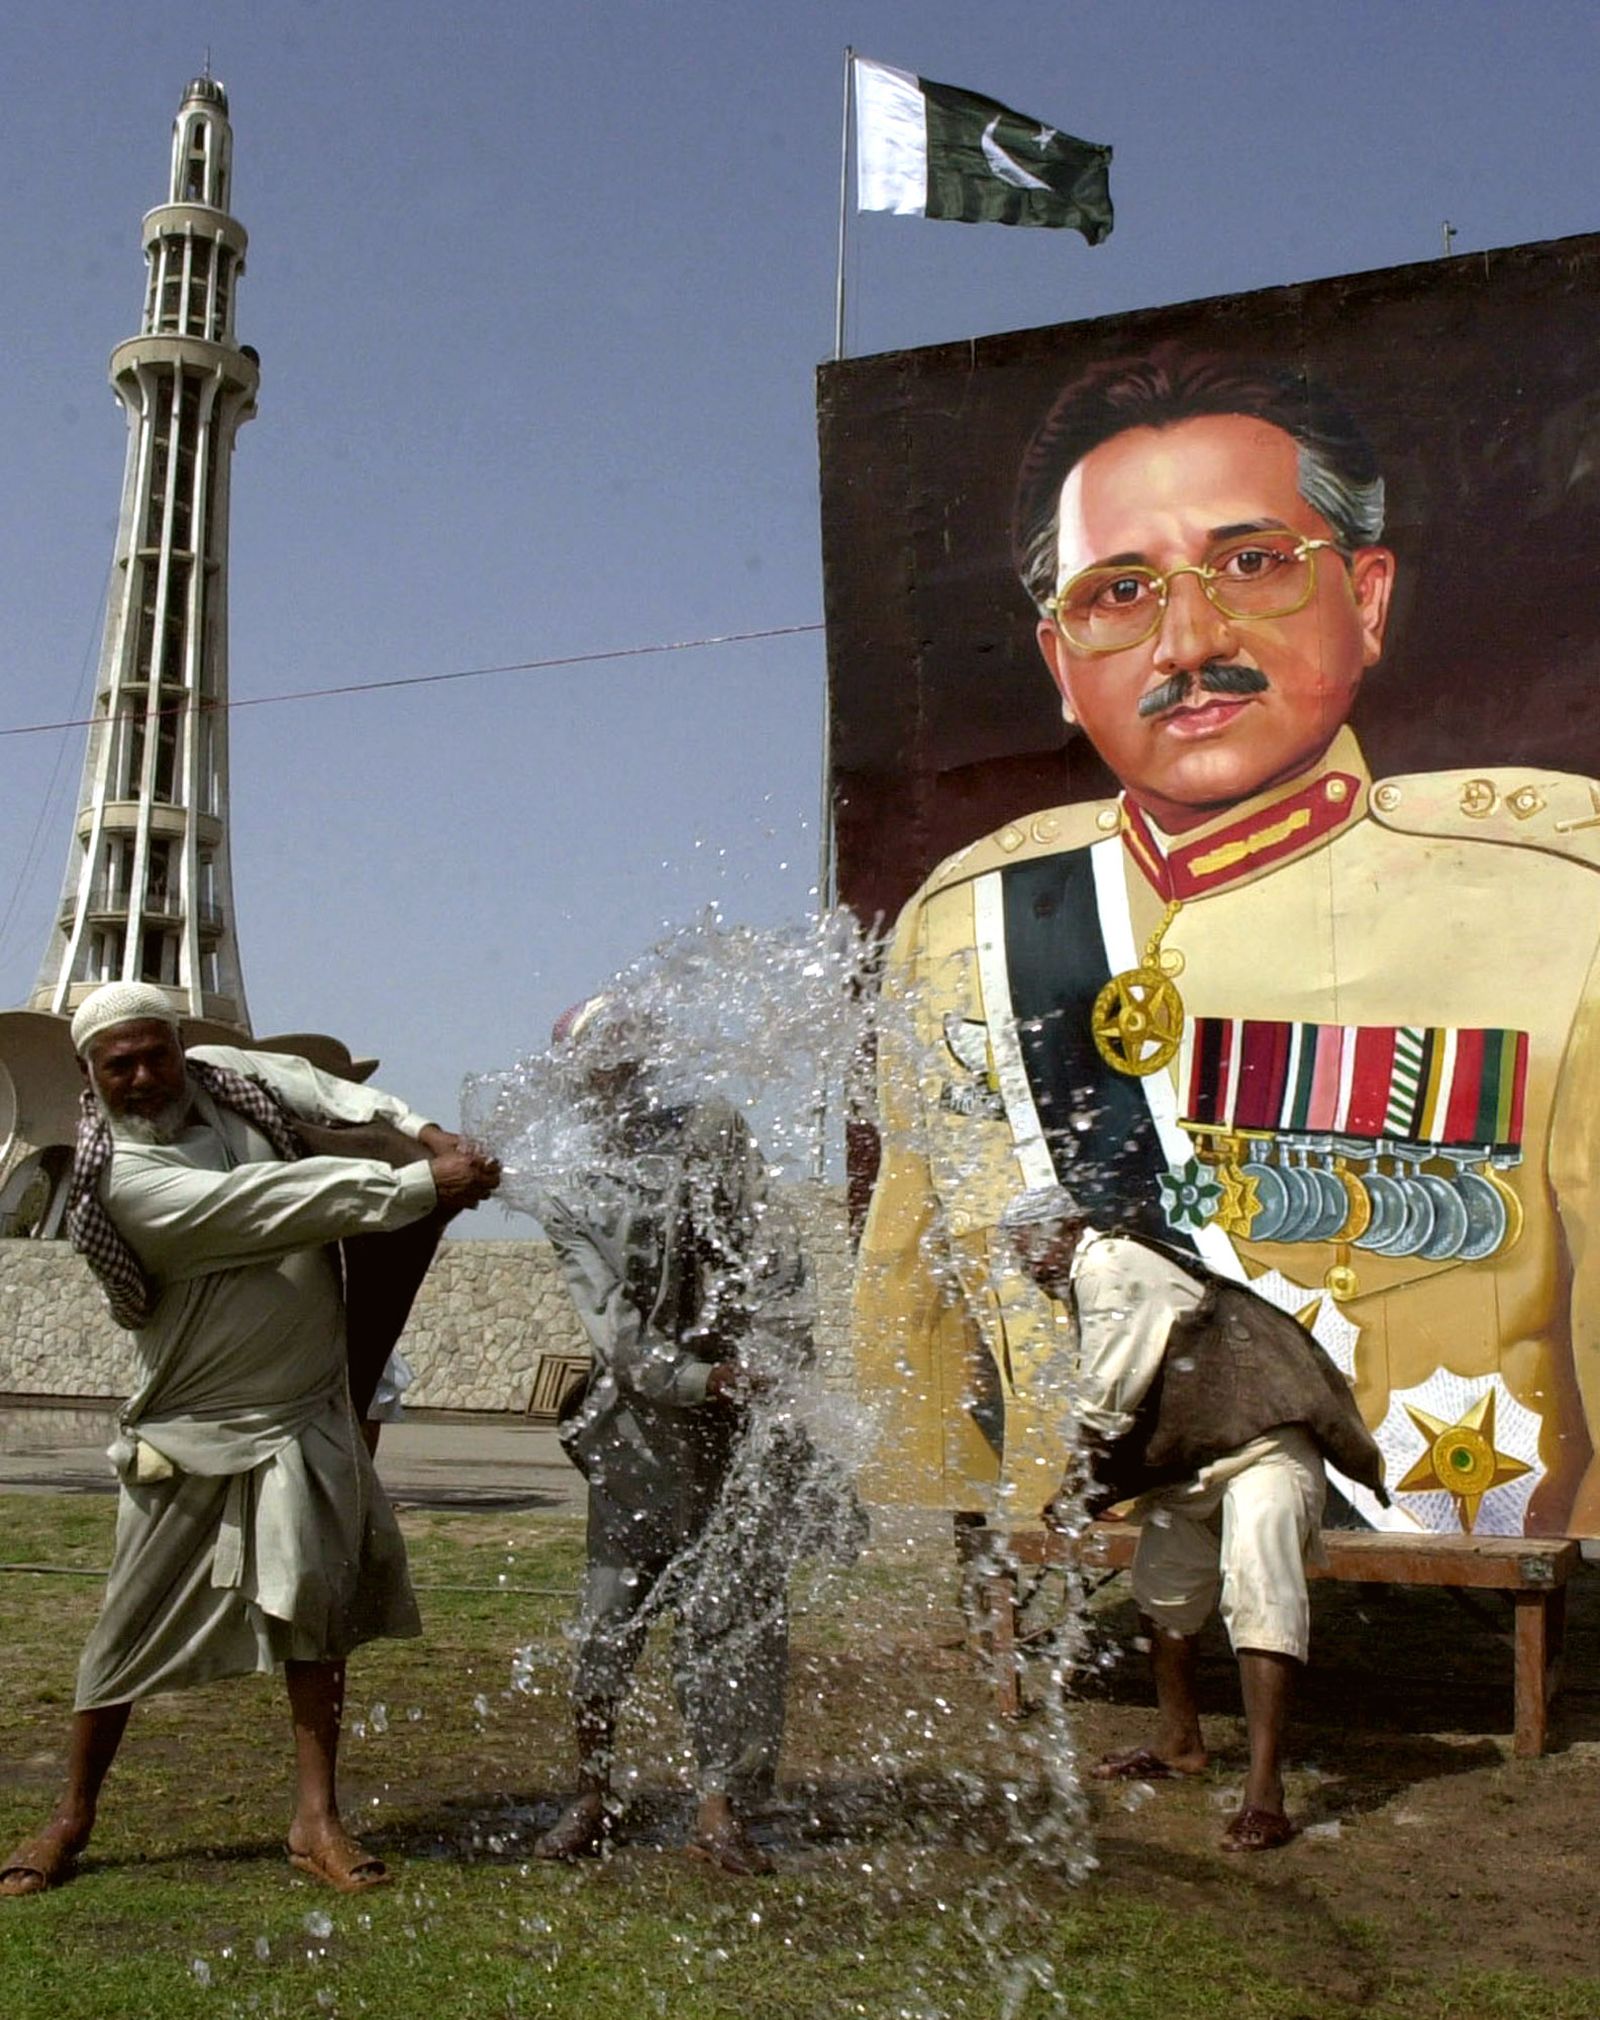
1137 1019
1461 1458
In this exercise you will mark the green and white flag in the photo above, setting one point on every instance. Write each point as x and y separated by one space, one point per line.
929 150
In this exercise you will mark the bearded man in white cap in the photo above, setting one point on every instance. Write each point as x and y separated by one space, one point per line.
251 1528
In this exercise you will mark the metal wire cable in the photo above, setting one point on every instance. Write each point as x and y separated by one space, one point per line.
435 679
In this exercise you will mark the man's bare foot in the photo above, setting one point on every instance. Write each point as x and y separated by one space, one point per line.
722 1841
580 1830
732 1850
326 1851
45 1860
1144 1764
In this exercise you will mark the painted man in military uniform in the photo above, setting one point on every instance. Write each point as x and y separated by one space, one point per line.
1342 1037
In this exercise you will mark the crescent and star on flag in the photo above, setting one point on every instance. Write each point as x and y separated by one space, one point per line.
1006 166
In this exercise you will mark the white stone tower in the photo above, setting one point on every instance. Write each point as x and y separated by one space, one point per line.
148 895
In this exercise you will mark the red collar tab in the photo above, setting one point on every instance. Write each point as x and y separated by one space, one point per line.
1198 865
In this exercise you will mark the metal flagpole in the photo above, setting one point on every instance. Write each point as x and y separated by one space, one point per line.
827 892
844 201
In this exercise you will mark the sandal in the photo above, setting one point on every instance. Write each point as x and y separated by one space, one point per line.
1138 1765
1254 1830
345 1866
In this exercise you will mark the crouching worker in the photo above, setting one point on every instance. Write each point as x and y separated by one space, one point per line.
251 1528
1216 1410
696 1299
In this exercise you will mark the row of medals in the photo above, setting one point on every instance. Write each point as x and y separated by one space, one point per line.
1403 1211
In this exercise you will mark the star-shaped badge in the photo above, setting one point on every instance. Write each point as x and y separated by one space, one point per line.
1461 1458
1241 1202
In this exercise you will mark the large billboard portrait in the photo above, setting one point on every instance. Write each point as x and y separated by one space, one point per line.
1214 701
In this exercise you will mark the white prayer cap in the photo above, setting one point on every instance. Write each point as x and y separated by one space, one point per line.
604 1034
120 1003
580 1018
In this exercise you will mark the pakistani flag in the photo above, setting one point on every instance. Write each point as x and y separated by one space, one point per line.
929 150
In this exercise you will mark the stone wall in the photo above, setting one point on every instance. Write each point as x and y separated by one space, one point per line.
56 1337
487 1313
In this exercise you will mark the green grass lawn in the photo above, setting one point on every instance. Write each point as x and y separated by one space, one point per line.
919 1874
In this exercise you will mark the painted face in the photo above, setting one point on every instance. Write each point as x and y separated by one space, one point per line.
138 1071
1166 497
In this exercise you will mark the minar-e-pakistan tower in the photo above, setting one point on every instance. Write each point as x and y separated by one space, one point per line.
148 894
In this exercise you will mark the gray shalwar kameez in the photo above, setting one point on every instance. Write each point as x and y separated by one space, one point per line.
251 1528
676 1260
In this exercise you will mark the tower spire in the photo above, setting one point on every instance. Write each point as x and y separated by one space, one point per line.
148 893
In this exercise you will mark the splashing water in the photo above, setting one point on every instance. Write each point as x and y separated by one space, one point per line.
779 1023
773 1020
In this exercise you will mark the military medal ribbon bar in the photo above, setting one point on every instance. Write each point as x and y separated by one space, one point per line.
1451 1089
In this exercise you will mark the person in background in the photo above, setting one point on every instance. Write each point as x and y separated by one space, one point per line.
696 1297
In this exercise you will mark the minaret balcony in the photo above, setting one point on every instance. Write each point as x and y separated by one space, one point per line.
108 903
182 220
109 906
238 369
122 817
176 695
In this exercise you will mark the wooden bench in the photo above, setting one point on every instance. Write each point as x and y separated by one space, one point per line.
1534 1570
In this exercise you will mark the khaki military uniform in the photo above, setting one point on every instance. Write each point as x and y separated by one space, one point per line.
1467 900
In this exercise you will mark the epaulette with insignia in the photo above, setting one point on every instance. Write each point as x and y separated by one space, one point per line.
1042 834
1557 812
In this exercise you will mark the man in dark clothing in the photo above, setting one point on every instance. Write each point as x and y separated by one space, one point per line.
696 1299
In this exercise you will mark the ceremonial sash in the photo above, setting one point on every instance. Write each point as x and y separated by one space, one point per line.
1051 933
1042 960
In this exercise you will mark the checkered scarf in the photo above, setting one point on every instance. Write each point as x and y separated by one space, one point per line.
124 1279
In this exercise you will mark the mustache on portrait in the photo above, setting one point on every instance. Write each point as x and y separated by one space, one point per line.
1215 677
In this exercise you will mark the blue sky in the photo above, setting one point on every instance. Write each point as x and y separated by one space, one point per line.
539 292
